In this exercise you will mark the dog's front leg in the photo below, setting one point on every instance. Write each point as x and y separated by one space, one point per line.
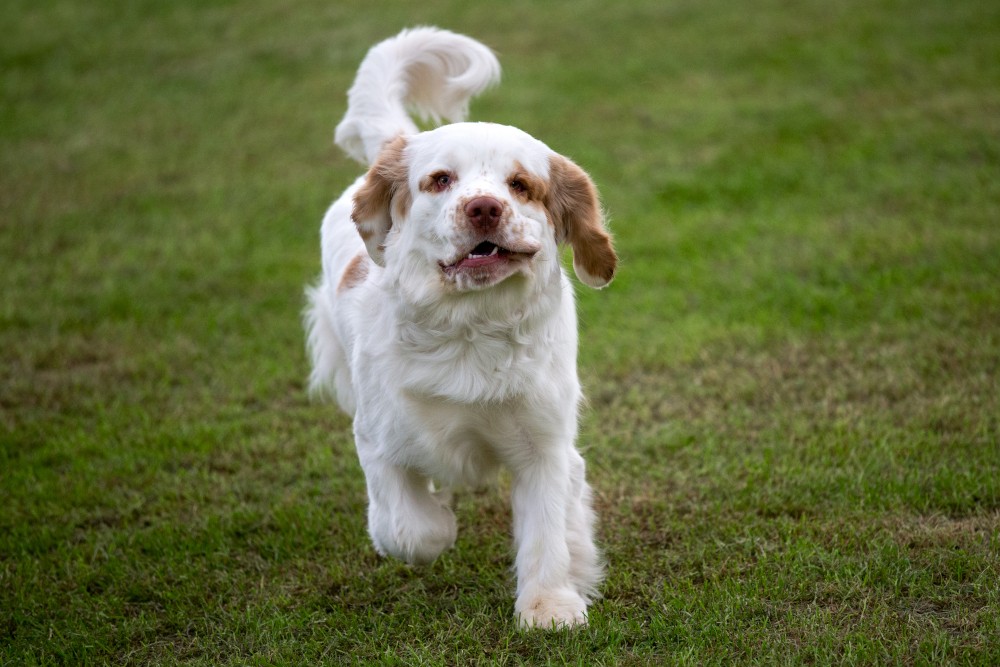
405 519
541 496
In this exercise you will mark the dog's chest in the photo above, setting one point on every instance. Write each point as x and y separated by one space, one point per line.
465 443
472 365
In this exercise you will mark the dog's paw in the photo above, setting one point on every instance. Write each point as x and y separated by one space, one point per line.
422 547
415 538
551 610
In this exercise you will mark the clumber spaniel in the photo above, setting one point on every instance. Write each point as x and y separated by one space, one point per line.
445 325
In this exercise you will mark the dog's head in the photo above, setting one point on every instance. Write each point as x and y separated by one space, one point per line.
470 205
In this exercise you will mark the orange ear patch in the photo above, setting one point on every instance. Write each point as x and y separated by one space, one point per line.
354 274
384 186
575 210
386 178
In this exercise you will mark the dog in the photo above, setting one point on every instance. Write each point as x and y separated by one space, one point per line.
445 325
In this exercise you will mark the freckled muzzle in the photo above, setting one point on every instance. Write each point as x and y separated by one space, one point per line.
492 251
489 261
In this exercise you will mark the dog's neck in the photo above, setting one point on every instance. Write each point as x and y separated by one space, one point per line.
481 346
515 305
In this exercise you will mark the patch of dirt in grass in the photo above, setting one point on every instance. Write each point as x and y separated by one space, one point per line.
68 373
942 384
978 533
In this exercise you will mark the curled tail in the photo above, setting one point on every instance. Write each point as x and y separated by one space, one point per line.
430 71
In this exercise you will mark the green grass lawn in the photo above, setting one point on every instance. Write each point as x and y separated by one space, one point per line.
793 428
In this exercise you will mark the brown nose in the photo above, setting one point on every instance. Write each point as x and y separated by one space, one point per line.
484 212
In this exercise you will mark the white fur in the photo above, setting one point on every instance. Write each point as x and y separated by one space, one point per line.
449 378
433 71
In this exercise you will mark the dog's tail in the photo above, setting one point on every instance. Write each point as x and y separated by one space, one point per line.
430 71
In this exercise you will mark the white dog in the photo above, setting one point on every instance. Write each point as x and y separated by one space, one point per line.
444 323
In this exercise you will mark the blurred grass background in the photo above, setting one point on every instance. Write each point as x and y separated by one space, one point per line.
793 420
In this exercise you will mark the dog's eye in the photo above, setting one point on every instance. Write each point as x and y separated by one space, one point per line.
518 186
442 181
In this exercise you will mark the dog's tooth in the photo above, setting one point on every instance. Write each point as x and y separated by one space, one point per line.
495 250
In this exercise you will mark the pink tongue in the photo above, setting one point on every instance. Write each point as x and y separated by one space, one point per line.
471 262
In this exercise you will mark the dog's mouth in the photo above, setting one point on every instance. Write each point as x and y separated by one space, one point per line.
488 254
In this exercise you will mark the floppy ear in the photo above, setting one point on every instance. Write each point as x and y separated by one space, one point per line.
576 213
383 196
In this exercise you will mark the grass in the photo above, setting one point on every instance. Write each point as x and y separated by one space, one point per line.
794 420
